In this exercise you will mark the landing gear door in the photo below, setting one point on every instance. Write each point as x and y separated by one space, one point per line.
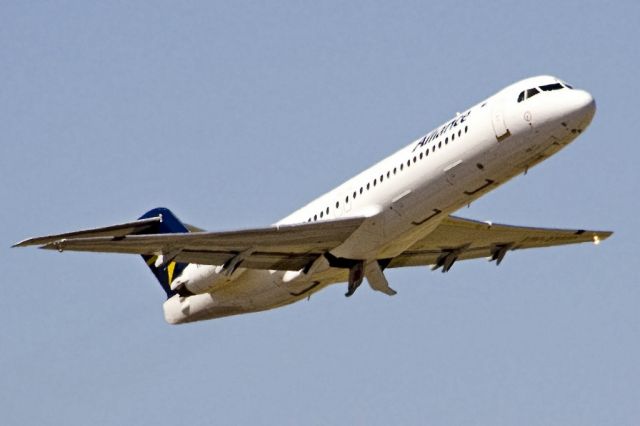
497 119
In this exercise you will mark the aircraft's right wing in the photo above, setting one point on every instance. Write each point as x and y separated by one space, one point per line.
286 247
461 239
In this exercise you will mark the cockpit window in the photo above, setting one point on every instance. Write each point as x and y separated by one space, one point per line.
550 87
526 94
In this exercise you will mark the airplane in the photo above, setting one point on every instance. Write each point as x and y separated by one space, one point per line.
396 213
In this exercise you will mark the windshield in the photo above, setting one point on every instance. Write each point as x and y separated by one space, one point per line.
529 93
550 87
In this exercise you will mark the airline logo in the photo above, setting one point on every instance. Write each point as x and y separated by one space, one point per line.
458 120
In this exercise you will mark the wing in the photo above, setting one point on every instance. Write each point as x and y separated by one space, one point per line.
114 231
290 247
461 239
293 247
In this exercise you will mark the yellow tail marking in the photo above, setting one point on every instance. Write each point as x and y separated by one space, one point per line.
152 260
170 269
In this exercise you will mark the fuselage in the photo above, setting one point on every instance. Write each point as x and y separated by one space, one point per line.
405 196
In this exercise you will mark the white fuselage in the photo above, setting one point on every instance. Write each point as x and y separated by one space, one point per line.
406 195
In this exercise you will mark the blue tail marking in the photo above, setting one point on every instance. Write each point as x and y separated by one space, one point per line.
170 224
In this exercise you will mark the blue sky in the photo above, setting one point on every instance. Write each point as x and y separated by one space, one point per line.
235 114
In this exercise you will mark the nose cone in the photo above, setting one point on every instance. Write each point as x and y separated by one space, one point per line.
582 106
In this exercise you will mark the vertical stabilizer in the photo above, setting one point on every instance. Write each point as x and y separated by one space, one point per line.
164 271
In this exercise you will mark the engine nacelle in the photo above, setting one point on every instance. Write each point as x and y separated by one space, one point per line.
200 279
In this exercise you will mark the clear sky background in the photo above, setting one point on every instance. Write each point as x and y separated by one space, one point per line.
235 114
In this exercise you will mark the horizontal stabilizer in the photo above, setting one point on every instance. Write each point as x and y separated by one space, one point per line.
114 231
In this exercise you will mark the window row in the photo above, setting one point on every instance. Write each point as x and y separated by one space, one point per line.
370 185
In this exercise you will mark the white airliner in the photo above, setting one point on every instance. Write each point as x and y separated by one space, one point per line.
396 213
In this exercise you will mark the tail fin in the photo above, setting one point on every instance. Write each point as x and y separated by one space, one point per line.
168 225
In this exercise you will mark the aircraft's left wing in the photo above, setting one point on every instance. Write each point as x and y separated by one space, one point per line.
461 239
287 247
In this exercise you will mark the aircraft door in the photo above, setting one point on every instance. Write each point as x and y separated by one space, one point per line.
497 120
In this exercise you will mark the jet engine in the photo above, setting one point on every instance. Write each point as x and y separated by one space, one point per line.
198 279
